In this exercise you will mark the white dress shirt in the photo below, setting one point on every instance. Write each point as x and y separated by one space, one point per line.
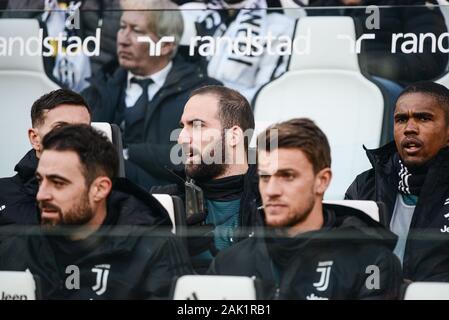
134 90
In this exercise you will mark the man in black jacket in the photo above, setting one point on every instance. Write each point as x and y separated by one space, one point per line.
310 250
145 94
221 193
18 193
98 242
411 176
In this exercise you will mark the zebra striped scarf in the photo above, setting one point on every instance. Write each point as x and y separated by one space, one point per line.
411 182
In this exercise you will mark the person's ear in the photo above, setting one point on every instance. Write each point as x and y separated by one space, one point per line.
234 136
167 48
35 139
100 188
322 180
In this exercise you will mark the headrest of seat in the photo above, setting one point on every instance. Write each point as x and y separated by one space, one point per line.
17 285
20 40
366 206
324 43
103 127
427 291
214 287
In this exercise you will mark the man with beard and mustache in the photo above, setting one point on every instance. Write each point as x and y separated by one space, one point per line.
101 240
18 193
217 125
310 250
411 176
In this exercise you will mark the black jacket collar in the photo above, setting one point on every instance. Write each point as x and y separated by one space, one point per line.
26 171
382 159
340 224
26 168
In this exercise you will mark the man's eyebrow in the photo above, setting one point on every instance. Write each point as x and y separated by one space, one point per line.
422 113
191 121
279 171
60 123
400 114
286 170
57 177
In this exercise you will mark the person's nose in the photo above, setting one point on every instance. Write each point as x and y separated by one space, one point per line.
184 136
124 37
44 193
411 127
273 189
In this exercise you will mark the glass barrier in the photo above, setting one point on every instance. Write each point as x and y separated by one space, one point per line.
343 67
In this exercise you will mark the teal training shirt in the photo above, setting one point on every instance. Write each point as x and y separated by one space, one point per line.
225 216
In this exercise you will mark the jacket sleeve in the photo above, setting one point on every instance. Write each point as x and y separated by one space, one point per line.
351 192
168 262
362 188
154 158
383 278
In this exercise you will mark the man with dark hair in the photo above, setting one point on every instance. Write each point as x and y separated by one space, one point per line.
115 242
54 109
411 176
221 189
310 250
231 115
144 94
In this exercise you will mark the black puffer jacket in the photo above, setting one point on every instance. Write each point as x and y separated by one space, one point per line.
426 256
406 16
132 256
18 193
335 262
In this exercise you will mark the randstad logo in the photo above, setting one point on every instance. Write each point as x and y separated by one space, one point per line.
50 46
155 47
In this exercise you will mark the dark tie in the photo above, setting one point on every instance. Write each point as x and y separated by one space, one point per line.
137 112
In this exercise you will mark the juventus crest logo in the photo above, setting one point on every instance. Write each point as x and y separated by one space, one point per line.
324 268
102 271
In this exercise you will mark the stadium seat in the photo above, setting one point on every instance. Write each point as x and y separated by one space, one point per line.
371 208
444 80
112 131
18 285
324 83
22 81
175 208
200 287
427 291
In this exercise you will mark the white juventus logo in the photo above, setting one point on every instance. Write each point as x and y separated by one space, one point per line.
324 268
102 271
155 47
